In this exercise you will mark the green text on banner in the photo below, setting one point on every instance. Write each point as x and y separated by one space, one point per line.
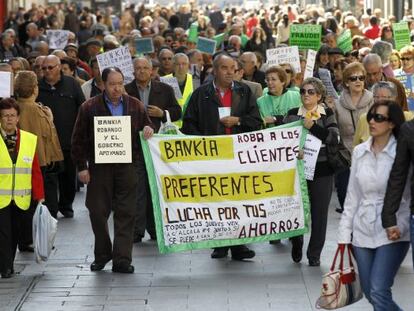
345 41
211 191
305 36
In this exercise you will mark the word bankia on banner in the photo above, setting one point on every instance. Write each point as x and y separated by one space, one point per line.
212 191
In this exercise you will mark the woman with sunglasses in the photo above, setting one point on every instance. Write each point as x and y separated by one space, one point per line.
377 257
353 101
387 34
405 73
278 100
321 122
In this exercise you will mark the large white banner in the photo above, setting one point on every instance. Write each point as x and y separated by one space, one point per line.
211 191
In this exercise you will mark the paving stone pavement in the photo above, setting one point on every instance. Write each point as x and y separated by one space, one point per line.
184 281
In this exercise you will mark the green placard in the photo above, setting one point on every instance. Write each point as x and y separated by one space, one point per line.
344 41
401 35
219 38
305 36
193 33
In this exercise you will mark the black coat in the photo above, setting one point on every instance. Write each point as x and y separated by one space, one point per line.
64 99
259 77
202 116
162 96
404 158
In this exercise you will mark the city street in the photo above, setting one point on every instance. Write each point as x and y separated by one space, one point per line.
183 281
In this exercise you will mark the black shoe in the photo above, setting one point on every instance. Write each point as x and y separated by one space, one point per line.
314 262
339 210
242 252
137 239
67 213
275 242
7 274
153 237
297 245
219 253
26 248
123 268
98 266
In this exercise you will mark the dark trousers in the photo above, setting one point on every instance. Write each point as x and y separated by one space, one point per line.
67 183
145 213
26 225
60 185
113 188
11 228
341 184
320 192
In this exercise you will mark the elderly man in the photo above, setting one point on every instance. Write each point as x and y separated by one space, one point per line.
234 45
111 186
95 85
158 98
184 79
251 72
7 48
255 87
34 37
373 66
165 57
384 49
63 95
202 118
196 63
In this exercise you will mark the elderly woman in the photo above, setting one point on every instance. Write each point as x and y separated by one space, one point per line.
384 50
321 123
21 182
405 73
353 101
377 257
37 119
387 34
69 69
290 73
278 100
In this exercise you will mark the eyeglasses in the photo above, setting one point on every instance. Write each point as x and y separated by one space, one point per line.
49 67
406 59
355 78
309 91
377 117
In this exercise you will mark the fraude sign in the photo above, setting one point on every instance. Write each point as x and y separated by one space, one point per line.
212 191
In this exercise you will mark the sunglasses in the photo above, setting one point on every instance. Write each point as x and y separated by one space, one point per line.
378 118
309 91
355 78
49 67
406 58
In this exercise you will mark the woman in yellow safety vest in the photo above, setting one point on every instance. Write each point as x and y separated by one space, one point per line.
20 181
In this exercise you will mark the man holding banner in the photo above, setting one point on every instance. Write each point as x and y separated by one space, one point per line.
105 147
220 107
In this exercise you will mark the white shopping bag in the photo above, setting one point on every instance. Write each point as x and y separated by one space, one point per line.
168 127
44 233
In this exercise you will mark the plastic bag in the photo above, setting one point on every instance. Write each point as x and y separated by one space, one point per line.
168 127
44 233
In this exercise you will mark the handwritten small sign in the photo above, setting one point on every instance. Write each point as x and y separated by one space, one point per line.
57 39
121 58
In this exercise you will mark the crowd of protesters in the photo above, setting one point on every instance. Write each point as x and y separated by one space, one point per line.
372 81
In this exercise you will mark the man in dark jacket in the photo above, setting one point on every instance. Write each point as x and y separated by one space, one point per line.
112 187
404 158
251 72
63 95
202 118
158 98
7 48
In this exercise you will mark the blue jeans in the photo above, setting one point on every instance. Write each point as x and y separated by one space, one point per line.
412 236
377 269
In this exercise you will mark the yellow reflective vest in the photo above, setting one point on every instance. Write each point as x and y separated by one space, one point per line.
16 179
188 90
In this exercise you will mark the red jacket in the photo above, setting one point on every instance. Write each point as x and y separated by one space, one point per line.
373 32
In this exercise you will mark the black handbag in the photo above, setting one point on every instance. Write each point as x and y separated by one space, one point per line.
339 157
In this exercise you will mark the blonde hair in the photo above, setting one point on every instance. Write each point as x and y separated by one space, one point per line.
25 83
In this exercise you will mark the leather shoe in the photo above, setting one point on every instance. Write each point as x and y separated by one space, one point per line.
67 213
26 248
7 274
339 210
123 268
137 239
219 252
314 262
98 266
297 244
242 252
275 242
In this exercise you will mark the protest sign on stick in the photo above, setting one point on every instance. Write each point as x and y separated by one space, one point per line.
284 55
121 58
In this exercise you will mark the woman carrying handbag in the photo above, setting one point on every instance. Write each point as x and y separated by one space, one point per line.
378 259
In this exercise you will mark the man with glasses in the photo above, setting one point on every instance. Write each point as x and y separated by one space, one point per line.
165 57
255 87
158 98
63 95
373 66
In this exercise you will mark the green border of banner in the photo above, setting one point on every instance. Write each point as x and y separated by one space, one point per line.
226 242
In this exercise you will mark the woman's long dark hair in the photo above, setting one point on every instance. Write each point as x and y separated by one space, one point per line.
395 114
